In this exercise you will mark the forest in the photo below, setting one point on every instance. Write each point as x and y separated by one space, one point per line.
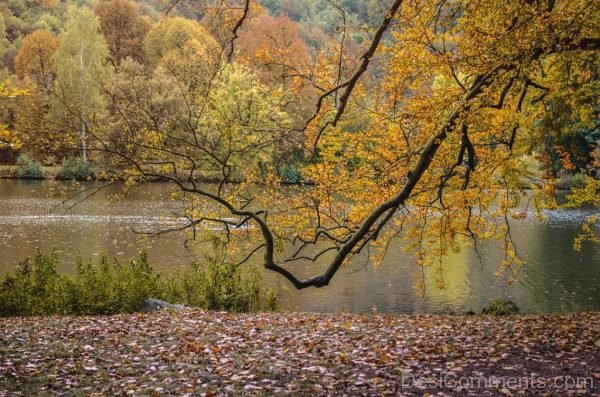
54 54
59 52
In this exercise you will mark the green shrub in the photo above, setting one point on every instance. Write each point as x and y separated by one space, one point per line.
76 168
290 174
578 180
29 168
36 288
108 288
225 287
219 286
501 307
49 161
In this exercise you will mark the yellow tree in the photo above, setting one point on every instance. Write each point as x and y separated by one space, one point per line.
33 64
431 153
172 34
33 61
8 139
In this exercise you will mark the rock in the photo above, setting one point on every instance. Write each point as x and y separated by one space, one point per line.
153 305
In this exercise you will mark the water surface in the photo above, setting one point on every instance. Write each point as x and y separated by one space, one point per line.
555 279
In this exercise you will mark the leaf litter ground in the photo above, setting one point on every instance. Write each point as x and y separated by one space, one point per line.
209 353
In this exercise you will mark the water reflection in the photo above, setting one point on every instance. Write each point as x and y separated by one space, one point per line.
556 278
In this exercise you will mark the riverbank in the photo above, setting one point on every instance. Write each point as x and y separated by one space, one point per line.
208 353
565 182
53 173
13 171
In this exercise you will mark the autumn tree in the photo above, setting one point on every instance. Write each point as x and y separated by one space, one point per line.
173 34
123 28
273 47
8 139
48 4
226 126
33 60
80 66
42 137
569 124
430 153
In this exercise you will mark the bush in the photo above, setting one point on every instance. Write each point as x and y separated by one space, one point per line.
76 168
501 307
33 289
218 286
567 181
49 161
108 288
36 288
30 169
290 174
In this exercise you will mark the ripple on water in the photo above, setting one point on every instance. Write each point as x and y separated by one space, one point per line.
130 220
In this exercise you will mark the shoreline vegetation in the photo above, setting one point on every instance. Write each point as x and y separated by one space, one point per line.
36 288
208 353
564 182
105 287
54 173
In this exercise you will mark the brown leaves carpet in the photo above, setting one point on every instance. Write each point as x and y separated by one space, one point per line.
206 353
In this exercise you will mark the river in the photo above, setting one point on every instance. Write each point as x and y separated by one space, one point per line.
555 279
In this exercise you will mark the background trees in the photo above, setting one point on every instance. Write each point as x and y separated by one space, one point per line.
4 44
173 34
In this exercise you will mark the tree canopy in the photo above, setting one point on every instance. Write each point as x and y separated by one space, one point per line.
33 59
80 66
123 28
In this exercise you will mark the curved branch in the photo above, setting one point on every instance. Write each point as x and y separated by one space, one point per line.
417 172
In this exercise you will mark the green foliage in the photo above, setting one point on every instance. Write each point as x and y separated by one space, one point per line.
76 168
272 5
36 288
30 169
4 43
80 66
108 288
243 115
290 174
501 307
219 286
